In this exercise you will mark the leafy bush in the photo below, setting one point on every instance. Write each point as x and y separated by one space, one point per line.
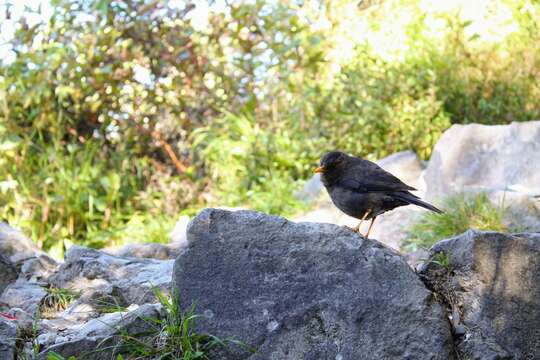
250 164
461 212
76 195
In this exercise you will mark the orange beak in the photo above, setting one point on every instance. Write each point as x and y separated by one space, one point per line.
320 169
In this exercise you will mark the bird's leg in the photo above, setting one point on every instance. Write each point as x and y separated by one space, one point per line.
370 225
357 227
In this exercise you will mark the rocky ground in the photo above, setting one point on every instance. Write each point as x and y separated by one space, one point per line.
306 290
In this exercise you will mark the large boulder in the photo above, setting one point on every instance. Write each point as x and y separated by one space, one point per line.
305 291
491 281
390 228
481 157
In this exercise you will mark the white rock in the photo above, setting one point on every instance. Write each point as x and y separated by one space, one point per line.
481 157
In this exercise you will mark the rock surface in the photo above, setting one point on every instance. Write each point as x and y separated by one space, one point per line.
486 157
98 338
129 280
148 251
15 245
38 268
24 295
8 272
389 227
8 335
107 284
306 291
494 281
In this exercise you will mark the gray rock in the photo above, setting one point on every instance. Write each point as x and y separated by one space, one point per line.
130 279
24 321
416 258
494 281
8 273
15 245
481 157
38 268
306 291
390 228
8 335
148 251
99 338
24 295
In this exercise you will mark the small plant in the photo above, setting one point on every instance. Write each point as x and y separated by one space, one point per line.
174 336
54 356
57 299
462 212
442 259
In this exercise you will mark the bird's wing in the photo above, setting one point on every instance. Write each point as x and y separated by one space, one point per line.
369 177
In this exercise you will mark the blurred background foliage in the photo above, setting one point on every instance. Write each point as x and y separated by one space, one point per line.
117 116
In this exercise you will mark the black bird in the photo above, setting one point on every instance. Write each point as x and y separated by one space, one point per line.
362 189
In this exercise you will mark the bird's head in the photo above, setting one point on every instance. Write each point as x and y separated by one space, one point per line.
332 162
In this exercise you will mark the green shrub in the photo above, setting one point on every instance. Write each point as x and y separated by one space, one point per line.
79 194
461 213
250 164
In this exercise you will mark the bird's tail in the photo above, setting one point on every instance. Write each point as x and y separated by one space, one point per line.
413 199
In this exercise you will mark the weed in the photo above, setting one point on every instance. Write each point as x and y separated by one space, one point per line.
174 337
54 356
442 259
57 299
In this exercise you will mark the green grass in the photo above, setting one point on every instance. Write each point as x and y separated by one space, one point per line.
55 356
174 336
442 259
57 299
109 304
462 212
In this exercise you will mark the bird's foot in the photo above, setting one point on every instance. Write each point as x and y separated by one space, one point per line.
356 229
